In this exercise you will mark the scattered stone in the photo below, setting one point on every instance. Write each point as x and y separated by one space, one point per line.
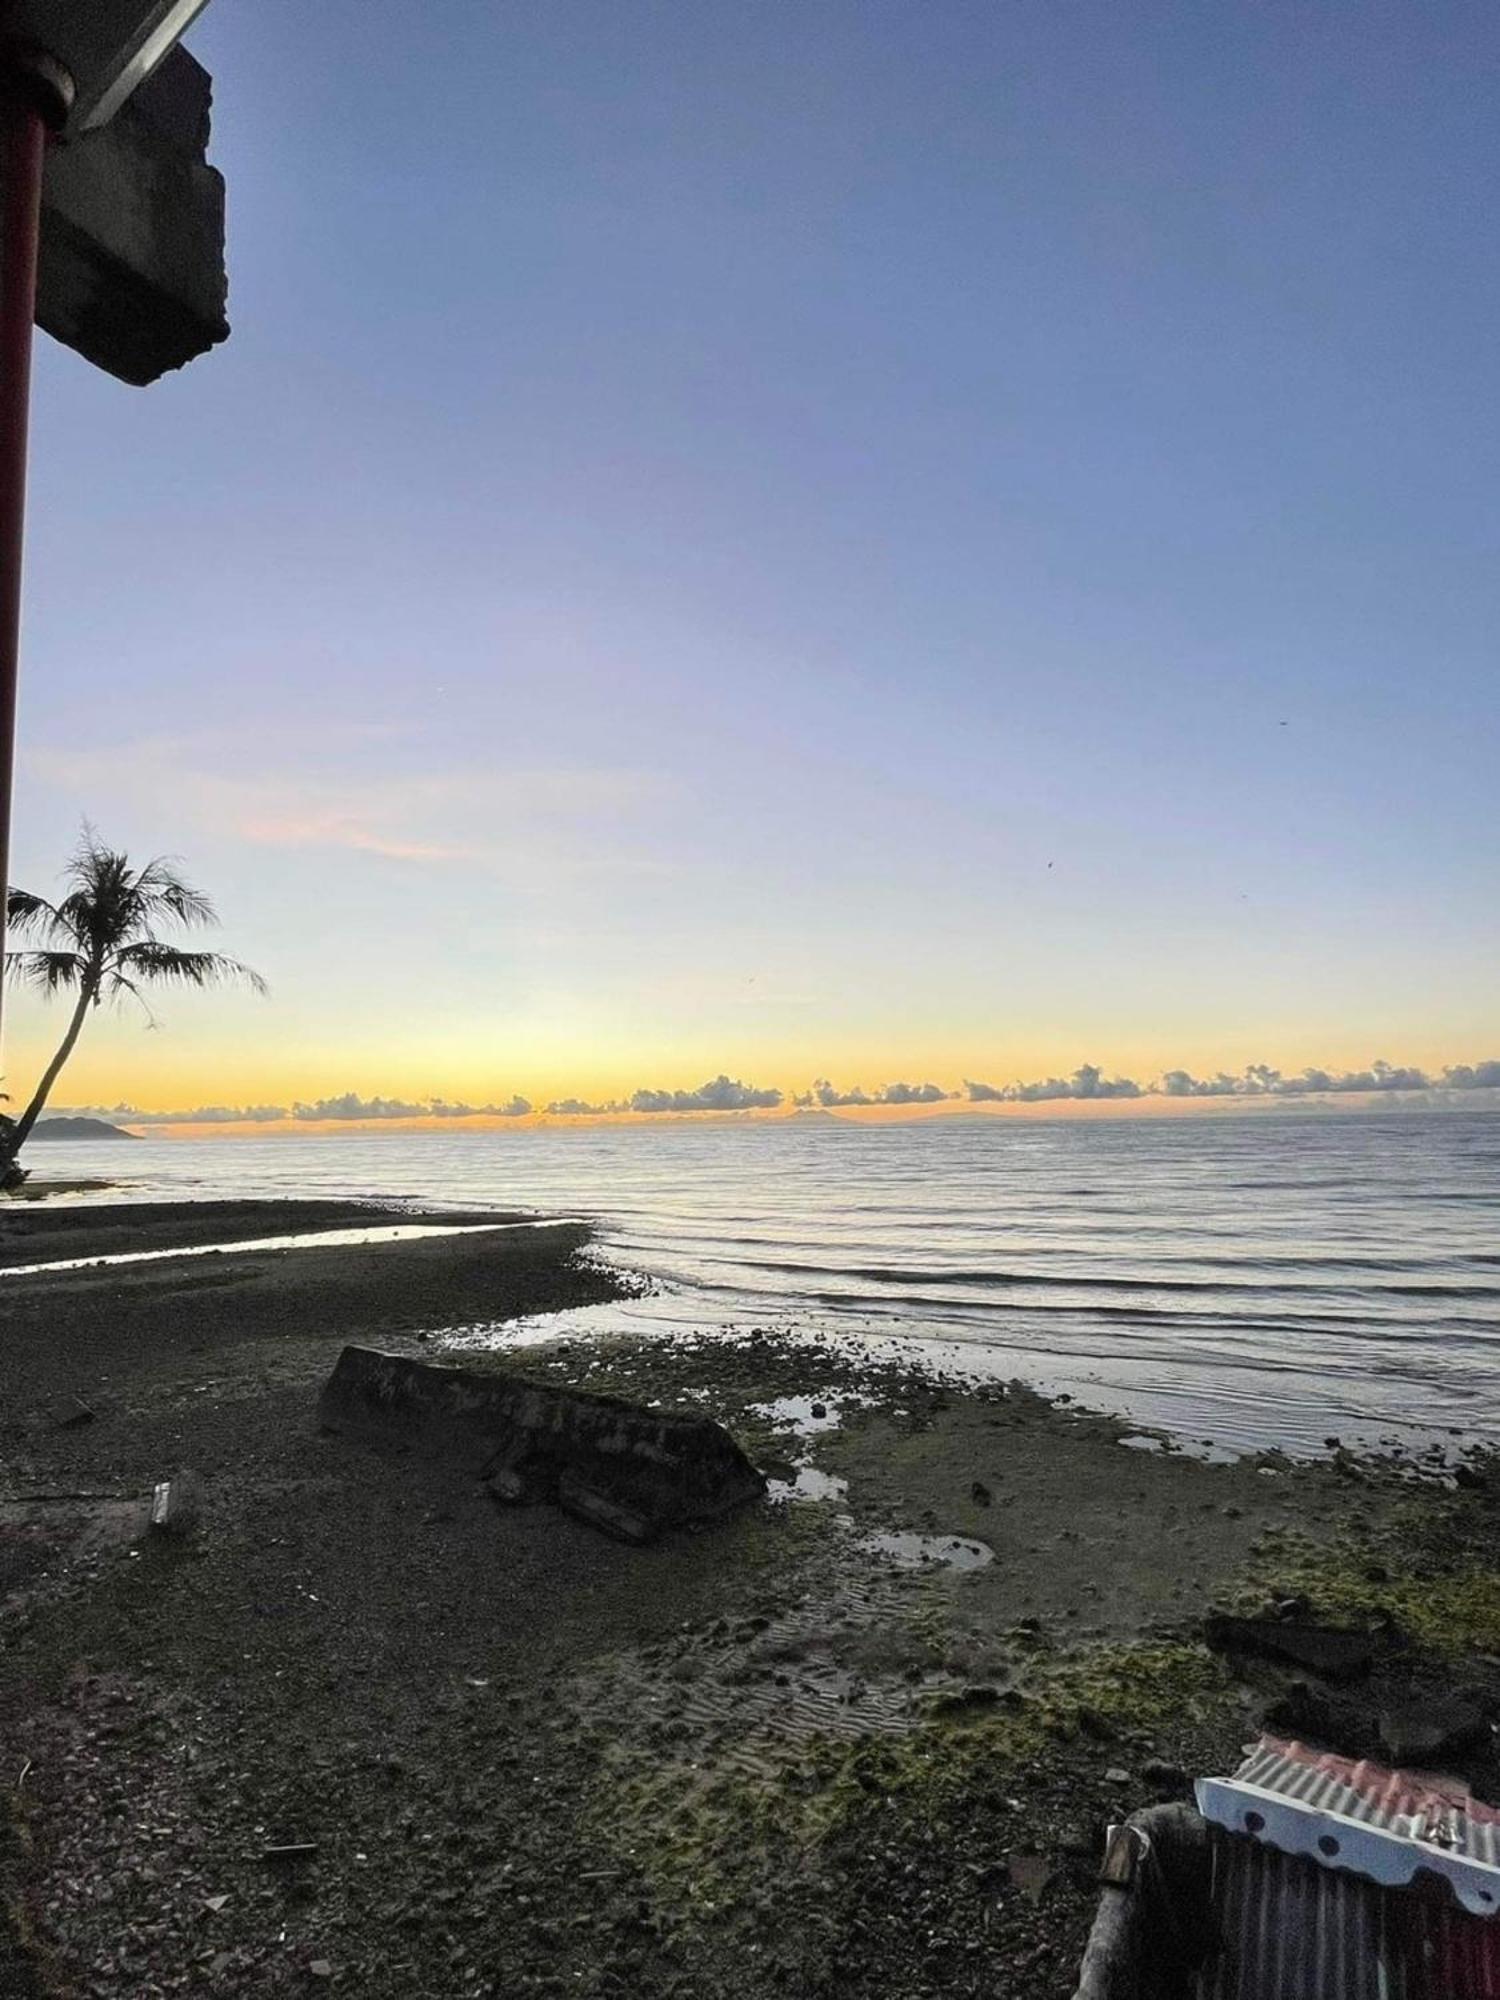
213 1904
1116 1775
980 1493
819 1411
72 1413
321 1968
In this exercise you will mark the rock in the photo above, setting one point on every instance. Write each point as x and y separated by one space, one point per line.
1170 1780
1092 1723
1424 1732
176 1504
321 1968
963 1701
1311 1715
1115 1775
72 1413
1329 1651
819 1412
980 1493
1032 1874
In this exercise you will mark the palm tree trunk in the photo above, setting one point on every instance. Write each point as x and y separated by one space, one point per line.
21 1132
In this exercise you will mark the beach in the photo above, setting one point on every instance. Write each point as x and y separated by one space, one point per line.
863 1738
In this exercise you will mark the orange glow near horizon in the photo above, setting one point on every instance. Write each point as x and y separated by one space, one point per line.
1145 1106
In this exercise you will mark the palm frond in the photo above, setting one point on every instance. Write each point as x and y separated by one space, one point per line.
161 892
78 917
115 984
48 971
165 964
28 915
101 909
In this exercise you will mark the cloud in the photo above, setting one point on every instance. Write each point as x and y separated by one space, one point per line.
1087 1081
203 1114
720 1093
1473 1076
824 1093
1260 1080
535 826
724 1093
352 1106
1255 1080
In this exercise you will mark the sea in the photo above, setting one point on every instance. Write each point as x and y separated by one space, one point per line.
1238 1281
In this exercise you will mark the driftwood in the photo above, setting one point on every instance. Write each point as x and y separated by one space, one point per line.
631 1471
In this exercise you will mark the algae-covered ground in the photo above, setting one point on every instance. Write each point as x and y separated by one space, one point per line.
862 1739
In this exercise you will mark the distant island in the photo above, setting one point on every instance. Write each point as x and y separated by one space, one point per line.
78 1128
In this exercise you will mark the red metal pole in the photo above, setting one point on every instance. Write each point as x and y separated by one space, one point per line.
23 139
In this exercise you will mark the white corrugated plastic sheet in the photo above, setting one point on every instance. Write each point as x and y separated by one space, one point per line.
1326 1879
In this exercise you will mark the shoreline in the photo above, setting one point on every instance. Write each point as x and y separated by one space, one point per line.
785 1754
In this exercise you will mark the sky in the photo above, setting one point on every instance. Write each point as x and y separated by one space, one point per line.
877 540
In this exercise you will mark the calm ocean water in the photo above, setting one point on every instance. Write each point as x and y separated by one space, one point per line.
1249 1280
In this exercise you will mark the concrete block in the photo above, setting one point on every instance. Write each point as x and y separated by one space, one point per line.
130 270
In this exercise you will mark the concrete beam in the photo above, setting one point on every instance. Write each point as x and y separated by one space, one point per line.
131 268
633 1472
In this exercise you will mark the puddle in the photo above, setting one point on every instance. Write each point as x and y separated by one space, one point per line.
807 1415
322 1239
810 1484
910 1551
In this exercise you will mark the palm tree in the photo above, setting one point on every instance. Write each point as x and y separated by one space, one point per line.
99 942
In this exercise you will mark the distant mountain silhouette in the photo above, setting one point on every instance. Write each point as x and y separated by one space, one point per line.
78 1128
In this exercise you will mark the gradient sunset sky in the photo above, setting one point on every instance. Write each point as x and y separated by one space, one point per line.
859 540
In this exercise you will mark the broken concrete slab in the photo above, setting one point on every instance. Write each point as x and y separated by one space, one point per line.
1330 1651
630 1471
130 269
1424 1733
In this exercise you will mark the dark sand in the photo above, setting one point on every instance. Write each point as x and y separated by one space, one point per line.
763 1760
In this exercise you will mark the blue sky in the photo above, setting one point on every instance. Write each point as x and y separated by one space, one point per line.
848 540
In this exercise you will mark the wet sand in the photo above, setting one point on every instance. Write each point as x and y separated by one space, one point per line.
772 1758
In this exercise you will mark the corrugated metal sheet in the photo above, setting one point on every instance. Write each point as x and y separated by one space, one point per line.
1289 1929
